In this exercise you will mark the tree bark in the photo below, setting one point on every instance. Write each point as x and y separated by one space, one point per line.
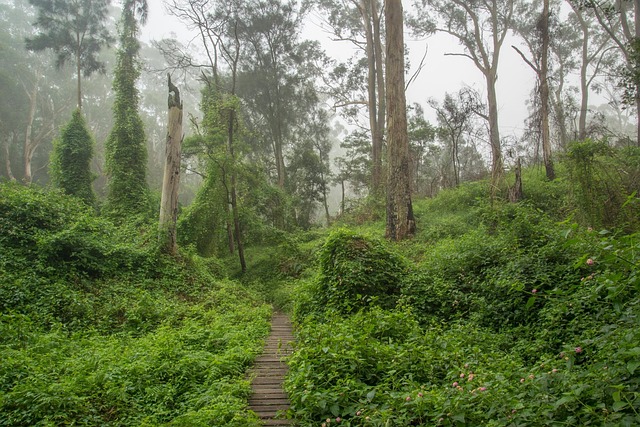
494 133
378 142
515 193
171 180
400 220
7 157
376 137
29 147
544 93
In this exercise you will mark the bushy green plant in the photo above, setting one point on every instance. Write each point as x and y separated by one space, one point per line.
606 183
71 159
356 271
125 148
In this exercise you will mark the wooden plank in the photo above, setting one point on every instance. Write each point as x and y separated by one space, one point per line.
268 399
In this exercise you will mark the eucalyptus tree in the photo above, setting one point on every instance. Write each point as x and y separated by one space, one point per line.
359 81
621 20
421 135
534 27
76 31
481 28
310 167
33 102
456 116
126 151
277 75
596 55
400 221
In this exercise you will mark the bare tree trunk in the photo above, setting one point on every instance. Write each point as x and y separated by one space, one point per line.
515 193
78 76
7 156
544 93
494 133
400 220
376 137
342 197
636 9
171 180
380 121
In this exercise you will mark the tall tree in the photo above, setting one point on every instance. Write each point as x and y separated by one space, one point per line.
74 30
360 23
481 28
455 120
277 74
400 221
534 27
71 159
621 20
126 151
595 54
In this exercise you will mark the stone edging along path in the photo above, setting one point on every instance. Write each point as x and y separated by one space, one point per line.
268 399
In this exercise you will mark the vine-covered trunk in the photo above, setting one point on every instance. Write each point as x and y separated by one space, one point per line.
234 199
400 220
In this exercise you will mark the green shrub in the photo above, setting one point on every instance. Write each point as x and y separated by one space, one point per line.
357 271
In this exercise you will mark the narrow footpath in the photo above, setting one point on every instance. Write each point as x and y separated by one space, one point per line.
268 398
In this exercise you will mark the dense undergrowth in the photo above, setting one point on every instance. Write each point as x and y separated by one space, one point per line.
495 314
98 328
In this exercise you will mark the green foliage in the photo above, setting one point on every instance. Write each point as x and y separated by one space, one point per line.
98 328
607 182
506 317
71 159
355 271
126 151
75 31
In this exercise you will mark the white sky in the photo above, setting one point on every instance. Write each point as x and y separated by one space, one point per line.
441 73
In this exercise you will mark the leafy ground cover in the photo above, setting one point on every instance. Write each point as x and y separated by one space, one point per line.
505 315
98 328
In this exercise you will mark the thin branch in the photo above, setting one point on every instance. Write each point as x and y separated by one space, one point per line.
420 68
525 59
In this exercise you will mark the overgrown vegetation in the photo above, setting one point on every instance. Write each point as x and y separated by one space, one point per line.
503 314
98 328
495 314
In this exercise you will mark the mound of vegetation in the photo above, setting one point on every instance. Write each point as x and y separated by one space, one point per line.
505 315
98 328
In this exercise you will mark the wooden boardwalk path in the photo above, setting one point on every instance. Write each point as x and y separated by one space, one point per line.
268 397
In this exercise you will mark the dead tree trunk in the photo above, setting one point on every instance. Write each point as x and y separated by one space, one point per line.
171 180
515 193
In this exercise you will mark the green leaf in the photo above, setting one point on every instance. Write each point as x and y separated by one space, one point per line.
530 303
632 365
617 406
458 417
335 409
371 395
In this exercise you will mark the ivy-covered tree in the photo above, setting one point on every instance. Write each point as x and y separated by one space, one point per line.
71 159
126 151
75 30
